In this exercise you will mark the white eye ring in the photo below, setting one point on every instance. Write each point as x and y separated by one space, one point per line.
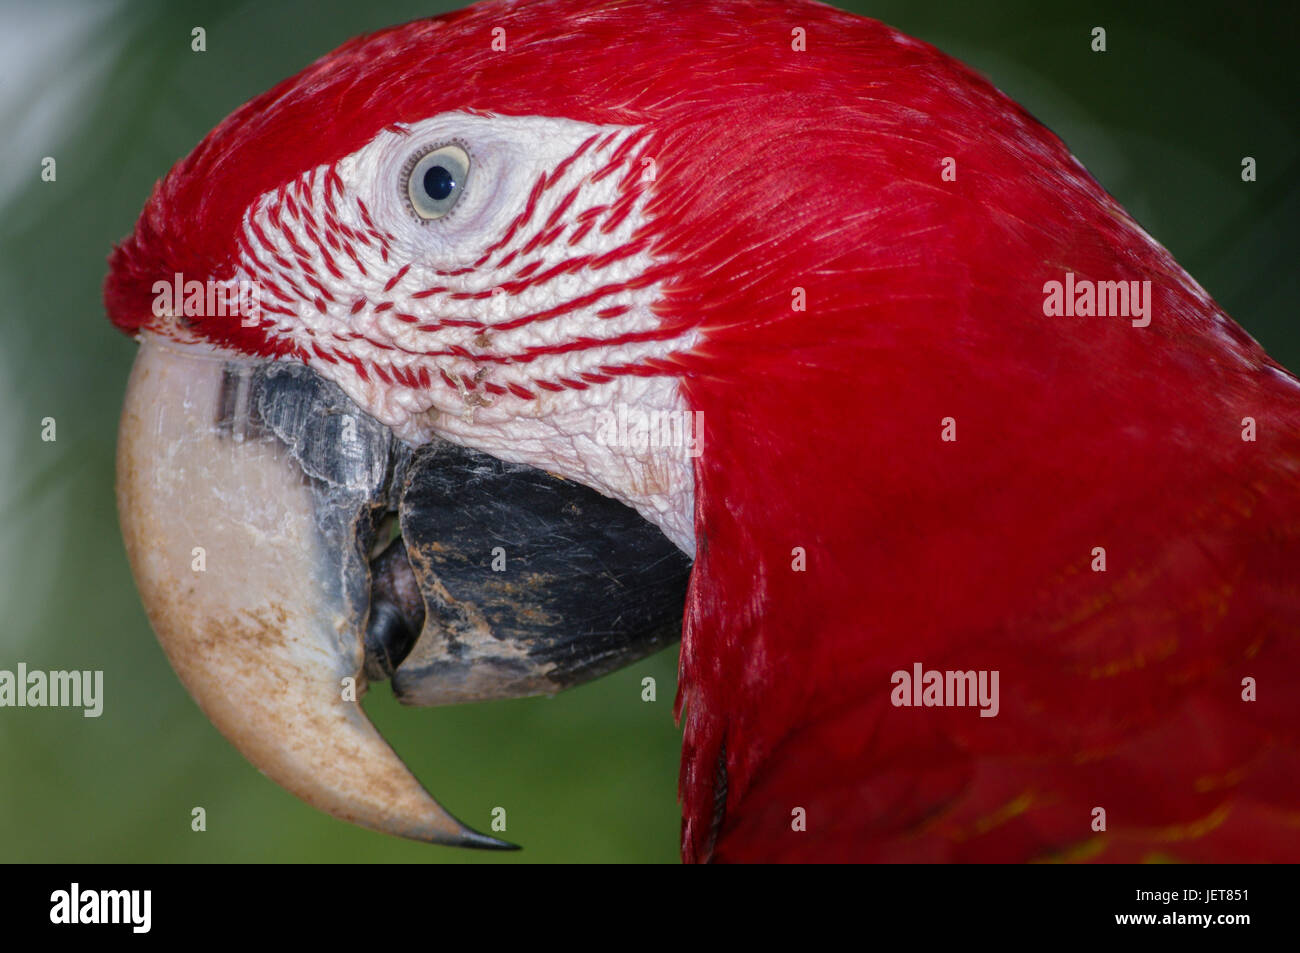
434 180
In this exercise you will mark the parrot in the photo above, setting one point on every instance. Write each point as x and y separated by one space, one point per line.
757 324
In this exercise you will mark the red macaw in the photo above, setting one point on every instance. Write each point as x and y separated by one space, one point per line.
941 407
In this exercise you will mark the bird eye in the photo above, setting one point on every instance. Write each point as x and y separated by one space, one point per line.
435 181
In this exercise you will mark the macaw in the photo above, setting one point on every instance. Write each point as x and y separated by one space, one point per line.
755 321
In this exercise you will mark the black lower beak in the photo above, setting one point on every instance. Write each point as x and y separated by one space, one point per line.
530 583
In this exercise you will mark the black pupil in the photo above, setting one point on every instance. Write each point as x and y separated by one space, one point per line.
438 183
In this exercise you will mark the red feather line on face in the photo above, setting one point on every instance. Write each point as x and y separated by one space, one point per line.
820 170
296 276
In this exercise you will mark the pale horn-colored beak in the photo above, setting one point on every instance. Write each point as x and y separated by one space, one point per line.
243 575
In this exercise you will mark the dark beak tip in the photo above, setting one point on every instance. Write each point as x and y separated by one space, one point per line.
472 838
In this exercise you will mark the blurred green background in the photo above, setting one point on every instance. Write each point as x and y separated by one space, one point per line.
114 93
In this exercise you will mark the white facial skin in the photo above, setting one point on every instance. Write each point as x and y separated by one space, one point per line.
413 299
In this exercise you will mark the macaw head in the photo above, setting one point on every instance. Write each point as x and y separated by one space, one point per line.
426 282
612 287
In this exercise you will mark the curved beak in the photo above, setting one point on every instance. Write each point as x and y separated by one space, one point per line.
253 496
249 594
